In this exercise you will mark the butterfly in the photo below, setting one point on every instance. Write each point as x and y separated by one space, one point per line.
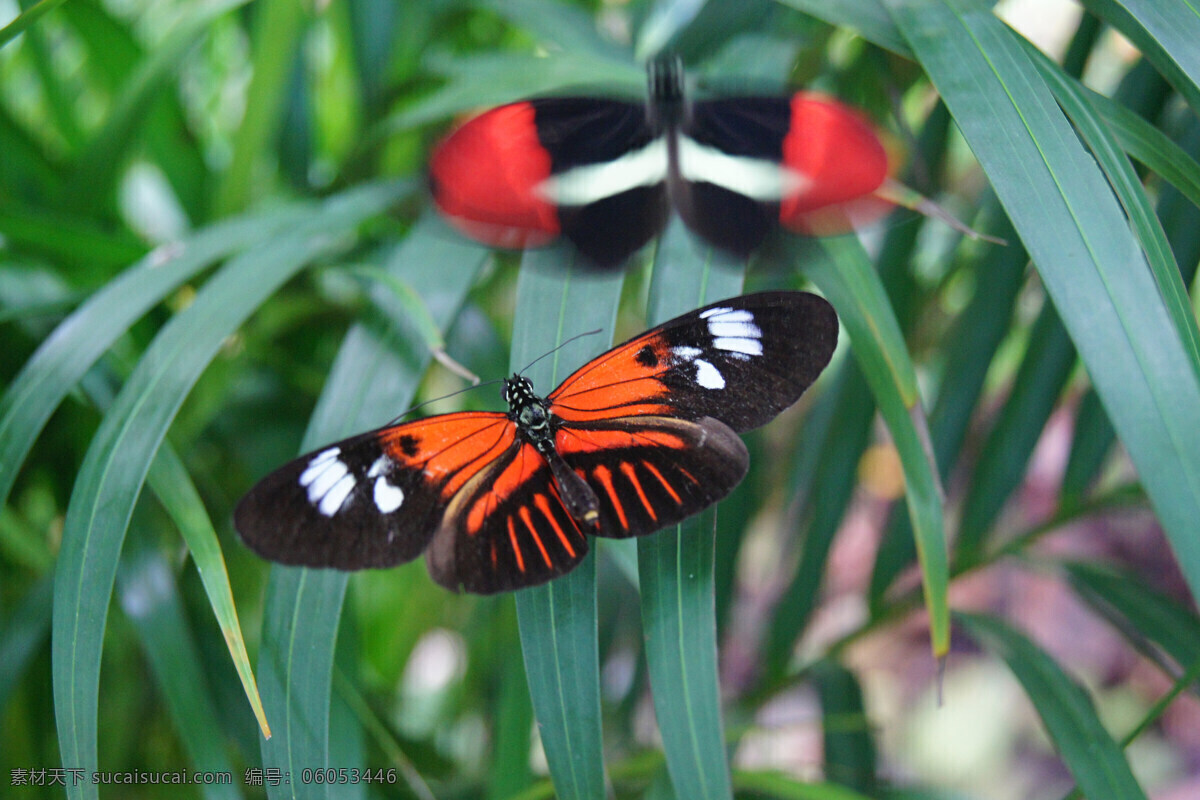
605 173
637 439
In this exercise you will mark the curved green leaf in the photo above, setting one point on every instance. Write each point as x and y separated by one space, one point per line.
121 452
847 279
1166 32
63 358
1077 236
1065 708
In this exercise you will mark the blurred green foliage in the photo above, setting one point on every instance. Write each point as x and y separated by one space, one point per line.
215 249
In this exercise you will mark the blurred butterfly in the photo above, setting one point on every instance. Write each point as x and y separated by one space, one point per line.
635 440
605 174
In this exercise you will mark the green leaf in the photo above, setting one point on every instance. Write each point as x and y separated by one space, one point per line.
278 26
121 452
846 278
833 477
1147 144
1165 32
785 787
565 27
374 377
83 337
1105 147
868 17
492 79
1077 236
150 598
173 486
970 348
97 167
23 633
1049 359
557 621
1145 612
849 746
675 566
25 19
1065 709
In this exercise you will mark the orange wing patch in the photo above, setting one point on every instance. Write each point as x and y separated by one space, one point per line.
524 464
624 382
584 440
450 449
604 475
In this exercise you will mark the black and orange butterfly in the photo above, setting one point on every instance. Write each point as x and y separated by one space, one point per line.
639 438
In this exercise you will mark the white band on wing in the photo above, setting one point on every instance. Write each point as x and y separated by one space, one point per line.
583 185
757 178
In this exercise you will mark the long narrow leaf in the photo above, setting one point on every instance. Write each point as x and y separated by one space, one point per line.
150 599
374 377
121 452
675 567
557 621
1077 236
66 355
1066 710
854 289
1165 32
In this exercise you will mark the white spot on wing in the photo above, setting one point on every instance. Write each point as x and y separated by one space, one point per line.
324 480
387 497
379 467
685 352
328 481
320 462
336 495
708 376
720 326
751 347
587 184
729 314
757 178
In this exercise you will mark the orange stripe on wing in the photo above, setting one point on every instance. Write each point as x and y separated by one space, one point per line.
528 520
628 471
543 505
512 537
604 475
654 471
582 440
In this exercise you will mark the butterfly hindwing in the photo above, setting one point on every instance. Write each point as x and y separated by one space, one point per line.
740 361
649 472
507 529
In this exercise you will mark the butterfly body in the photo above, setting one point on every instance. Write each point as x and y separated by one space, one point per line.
637 439
606 174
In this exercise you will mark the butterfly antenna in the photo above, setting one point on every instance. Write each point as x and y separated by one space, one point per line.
560 347
401 416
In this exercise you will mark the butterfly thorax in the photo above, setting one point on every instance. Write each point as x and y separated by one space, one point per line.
667 107
532 415
529 411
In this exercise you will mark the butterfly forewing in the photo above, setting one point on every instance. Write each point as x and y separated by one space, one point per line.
586 168
740 361
373 500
